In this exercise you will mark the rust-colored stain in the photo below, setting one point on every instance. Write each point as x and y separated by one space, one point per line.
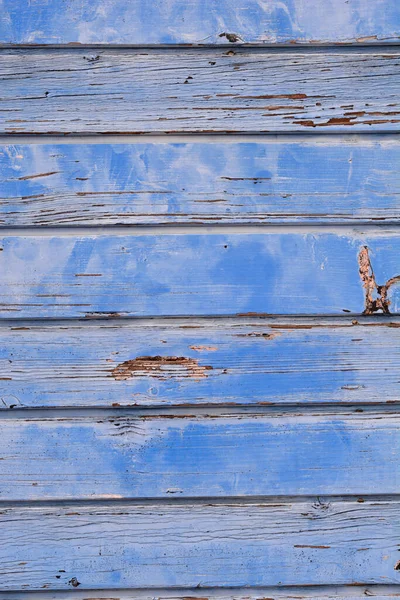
273 96
161 367
283 107
366 38
345 121
204 348
38 175
332 121
354 114
375 295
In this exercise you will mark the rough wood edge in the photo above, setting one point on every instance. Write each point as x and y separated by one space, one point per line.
380 592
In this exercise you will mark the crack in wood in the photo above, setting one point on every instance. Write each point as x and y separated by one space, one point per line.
376 296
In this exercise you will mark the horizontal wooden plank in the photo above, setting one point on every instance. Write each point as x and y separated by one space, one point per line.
191 274
243 90
199 456
286 182
182 363
194 22
352 592
315 542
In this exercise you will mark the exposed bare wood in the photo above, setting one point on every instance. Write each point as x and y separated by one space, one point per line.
199 91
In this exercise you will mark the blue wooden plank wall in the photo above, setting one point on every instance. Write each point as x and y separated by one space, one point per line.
199 300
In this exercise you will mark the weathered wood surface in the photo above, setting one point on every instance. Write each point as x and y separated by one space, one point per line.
243 90
191 274
346 180
199 456
349 592
174 485
195 363
122 546
197 22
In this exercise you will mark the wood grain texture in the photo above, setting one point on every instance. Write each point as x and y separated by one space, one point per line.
184 456
121 364
189 491
184 90
314 542
196 22
315 181
190 274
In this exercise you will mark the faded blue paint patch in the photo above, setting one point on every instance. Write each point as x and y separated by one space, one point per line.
153 183
189 457
178 21
190 274
77 454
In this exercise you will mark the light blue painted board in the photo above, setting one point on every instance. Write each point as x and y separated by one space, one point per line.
190 274
221 363
316 180
199 91
197 22
122 546
206 456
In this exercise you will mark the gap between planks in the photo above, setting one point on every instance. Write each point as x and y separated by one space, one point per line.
316 592
167 229
287 322
192 411
199 321
311 137
194 501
